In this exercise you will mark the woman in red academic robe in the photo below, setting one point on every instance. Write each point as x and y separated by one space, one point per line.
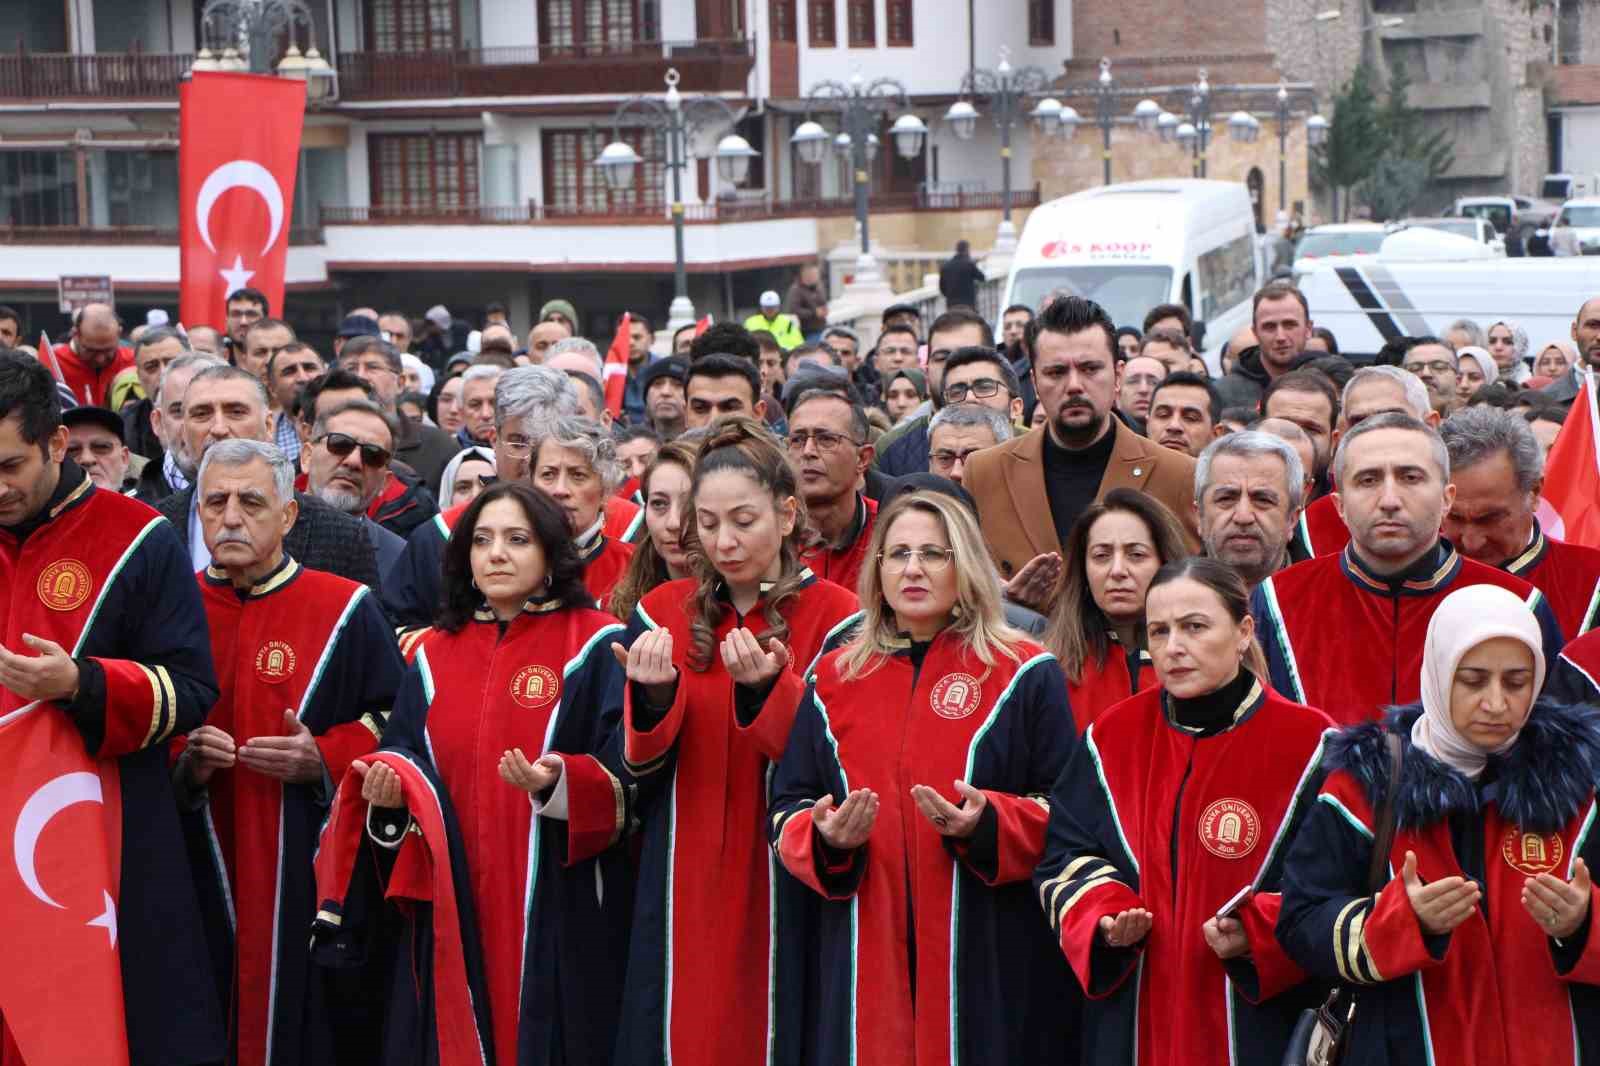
1097 628
1168 832
519 664
715 669
912 802
577 466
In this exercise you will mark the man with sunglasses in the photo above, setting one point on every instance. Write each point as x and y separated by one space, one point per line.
347 468
829 452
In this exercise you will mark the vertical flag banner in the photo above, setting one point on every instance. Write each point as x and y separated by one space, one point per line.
61 986
238 150
1572 472
616 369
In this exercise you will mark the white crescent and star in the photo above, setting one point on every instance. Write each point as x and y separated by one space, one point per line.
47 801
239 174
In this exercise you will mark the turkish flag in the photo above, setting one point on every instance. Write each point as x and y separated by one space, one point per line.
1572 471
61 985
617 365
702 325
238 148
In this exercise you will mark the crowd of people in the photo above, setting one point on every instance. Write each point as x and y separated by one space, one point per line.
1031 698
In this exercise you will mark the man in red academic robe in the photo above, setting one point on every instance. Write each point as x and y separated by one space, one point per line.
1344 633
104 626
308 670
829 451
95 355
1497 468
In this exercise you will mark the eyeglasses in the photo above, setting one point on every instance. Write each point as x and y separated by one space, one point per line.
932 559
983 388
340 445
517 447
827 440
945 458
1438 366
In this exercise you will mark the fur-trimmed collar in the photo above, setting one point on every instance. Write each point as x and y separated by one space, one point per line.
1539 784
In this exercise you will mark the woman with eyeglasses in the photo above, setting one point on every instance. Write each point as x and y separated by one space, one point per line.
1097 627
715 665
911 801
1168 831
663 555
577 465
519 946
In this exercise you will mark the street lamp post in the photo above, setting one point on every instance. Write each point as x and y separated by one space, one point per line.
1105 102
859 105
1195 134
245 33
678 119
1005 90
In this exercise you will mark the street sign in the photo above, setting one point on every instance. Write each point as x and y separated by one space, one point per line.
74 293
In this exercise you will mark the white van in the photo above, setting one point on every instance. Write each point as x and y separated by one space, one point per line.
1130 247
1370 303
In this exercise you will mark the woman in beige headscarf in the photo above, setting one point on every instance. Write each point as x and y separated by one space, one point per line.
1478 950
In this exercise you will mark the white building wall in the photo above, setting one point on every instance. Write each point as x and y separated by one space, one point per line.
1580 140
508 23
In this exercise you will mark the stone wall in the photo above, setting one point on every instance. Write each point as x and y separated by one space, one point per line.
929 231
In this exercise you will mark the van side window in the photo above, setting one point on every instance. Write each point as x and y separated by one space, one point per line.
1227 275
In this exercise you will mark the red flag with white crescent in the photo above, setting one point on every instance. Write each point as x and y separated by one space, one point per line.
61 985
238 148
616 369
1572 470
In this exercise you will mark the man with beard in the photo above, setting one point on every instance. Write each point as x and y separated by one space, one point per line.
1031 490
665 405
153 352
1345 632
1248 490
1434 362
173 471
348 468
829 451
245 307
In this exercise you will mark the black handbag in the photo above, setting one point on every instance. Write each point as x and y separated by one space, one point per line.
1319 1033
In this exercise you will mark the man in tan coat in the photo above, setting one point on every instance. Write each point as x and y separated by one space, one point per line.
1031 490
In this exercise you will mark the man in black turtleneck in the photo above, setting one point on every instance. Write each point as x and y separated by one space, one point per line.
1031 490
1344 633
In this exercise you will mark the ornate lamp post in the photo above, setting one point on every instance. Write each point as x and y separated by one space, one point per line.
1005 90
678 119
240 35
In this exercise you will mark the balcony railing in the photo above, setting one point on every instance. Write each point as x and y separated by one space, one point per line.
546 70
734 210
10 235
104 76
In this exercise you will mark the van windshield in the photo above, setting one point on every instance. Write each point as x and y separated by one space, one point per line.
1555 188
1585 215
1317 245
1126 292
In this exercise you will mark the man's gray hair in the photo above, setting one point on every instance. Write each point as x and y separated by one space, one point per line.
578 344
1392 420
157 334
366 407
1474 332
1416 392
236 452
1478 433
845 332
591 440
482 372
971 415
182 363
1245 444
534 394
224 372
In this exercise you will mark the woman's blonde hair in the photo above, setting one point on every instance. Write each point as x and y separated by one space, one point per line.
647 569
978 616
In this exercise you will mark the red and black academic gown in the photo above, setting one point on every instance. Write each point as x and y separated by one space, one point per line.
703 926
841 563
554 925
1567 574
1102 686
932 952
1496 990
319 645
1155 815
1320 531
1574 676
604 560
624 519
104 576
1348 641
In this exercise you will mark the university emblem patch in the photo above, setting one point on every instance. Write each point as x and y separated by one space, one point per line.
65 584
1230 828
1532 854
955 696
275 662
535 686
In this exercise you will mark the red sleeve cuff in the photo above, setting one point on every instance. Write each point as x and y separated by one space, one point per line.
1080 930
596 811
771 725
344 744
141 706
799 854
1020 824
645 750
1392 937
412 875
1275 971
1587 970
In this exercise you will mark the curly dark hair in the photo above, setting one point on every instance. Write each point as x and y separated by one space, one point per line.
745 446
459 599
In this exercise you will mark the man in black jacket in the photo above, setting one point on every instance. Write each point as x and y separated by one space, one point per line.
224 402
959 277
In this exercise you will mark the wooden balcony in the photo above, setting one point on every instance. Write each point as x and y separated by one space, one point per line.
118 235
605 68
102 76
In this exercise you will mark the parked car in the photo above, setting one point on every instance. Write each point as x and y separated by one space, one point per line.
1474 228
1577 228
1522 220
1337 242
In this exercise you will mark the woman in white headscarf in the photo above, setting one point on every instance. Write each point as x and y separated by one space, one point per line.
466 476
1475 368
1555 359
416 375
1508 343
1479 950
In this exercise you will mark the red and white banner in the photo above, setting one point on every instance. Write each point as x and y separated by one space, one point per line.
1572 471
238 149
61 811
